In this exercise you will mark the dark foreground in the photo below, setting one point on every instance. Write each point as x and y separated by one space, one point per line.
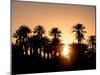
30 64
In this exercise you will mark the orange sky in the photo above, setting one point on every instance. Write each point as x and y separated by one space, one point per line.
49 15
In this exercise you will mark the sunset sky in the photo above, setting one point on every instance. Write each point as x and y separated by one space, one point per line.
49 15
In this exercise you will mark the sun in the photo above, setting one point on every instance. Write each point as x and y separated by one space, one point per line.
65 51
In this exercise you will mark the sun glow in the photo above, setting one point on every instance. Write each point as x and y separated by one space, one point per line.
65 51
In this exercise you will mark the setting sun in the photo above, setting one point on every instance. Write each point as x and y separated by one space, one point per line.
65 51
51 37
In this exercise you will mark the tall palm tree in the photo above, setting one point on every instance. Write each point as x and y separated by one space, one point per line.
21 36
79 30
34 44
56 33
17 35
39 31
92 42
45 45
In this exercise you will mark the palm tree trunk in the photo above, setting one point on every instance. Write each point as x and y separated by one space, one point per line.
44 54
78 40
92 47
30 50
40 55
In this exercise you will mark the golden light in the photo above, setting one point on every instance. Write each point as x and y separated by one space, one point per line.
28 52
46 55
42 54
66 51
57 54
66 55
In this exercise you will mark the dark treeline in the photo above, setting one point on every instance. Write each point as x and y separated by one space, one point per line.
33 51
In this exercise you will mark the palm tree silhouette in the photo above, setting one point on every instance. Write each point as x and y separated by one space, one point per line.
45 44
79 30
34 45
92 42
39 31
22 36
31 44
56 33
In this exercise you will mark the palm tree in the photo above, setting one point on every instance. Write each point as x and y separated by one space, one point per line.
17 35
31 44
21 36
34 44
56 33
45 45
79 30
92 42
39 31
